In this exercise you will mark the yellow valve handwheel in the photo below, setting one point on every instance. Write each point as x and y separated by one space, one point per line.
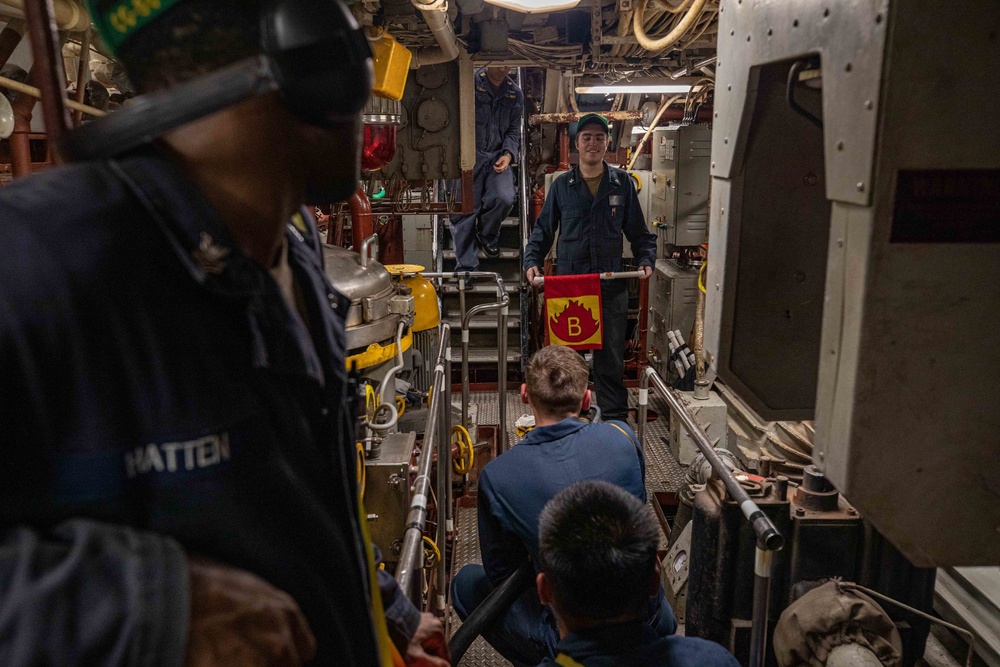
362 472
432 555
466 452
371 402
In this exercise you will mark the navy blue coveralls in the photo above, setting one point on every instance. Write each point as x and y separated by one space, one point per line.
158 398
590 241
498 130
513 490
635 644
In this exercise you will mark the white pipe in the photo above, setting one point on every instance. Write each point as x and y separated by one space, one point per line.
31 91
70 15
672 37
435 14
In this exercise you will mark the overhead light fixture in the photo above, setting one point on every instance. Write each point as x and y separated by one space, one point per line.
535 6
635 87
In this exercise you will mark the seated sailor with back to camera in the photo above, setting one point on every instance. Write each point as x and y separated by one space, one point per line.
597 554
514 488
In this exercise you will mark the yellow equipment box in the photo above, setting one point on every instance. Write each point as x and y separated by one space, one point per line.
392 64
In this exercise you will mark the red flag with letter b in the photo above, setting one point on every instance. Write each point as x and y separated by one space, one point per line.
573 311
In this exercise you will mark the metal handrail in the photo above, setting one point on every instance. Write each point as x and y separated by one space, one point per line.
411 555
607 275
769 539
503 311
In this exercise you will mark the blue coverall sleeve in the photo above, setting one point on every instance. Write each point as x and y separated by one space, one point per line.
402 617
89 593
512 135
642 241
544 233
502 551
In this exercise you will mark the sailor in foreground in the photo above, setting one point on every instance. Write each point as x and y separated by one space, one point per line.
591 206
514 488
597 554
179 482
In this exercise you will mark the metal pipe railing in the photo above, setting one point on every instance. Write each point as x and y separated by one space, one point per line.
503 311
411 555
607 275
769 539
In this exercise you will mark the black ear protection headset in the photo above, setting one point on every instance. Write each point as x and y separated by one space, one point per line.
313 53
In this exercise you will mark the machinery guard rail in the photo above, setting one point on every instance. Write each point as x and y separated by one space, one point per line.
408 571
502 307
768 537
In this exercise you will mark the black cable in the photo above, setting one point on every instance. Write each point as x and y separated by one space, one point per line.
793 80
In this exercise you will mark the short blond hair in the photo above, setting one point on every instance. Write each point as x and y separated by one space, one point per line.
557 380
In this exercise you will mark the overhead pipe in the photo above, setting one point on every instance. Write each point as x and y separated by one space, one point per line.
46 49
672 37
69 15
362 224
35 93
435 14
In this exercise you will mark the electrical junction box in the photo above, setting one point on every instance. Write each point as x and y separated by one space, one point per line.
710 414
673 295
682 157
387 493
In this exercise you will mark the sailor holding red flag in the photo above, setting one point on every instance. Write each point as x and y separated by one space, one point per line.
591 206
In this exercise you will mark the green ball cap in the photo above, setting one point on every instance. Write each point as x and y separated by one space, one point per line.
592 118
118 20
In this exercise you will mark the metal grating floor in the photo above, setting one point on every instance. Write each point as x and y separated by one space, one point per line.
663 473
480 654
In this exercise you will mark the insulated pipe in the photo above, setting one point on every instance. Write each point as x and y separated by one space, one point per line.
607 275
69 15
671 38
410 557
10 37
362 225
46 49
563 132
435 14
34 92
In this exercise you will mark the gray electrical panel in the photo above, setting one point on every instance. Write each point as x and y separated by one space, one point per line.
673 295
387 493
682 158
418 240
